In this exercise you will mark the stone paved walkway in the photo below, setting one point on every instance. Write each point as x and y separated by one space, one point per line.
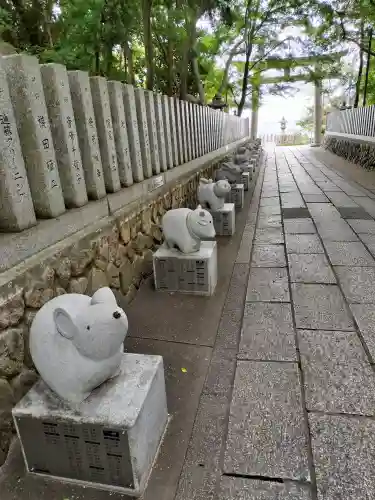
301 422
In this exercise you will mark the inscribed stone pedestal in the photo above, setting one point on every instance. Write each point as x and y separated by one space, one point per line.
143 132
180 146
64 133
152 131
120 131
87 134
168 132
16 207
27 96
104 126
133 134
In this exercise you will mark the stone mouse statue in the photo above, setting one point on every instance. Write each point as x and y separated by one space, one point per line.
229 171
76 342
184 228
211 194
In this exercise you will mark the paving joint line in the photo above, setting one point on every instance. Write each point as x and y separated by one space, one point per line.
310 458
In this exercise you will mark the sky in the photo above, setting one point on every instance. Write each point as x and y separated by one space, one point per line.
273 108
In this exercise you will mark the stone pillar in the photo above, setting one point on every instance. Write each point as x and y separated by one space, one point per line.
180 144
318 117
192 139
16 206
64 133
174 129
116 100
223 122
208 131
83 109
143 132
198 110
152 131
169 131
104 127
133 134
27 96
184 127
162 139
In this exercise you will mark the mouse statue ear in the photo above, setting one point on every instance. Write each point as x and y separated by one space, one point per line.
104 296
64 323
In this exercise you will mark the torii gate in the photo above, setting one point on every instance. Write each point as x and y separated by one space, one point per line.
317 74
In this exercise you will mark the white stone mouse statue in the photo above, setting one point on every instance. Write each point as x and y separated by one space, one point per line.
76 342
229 171
211 194
184 228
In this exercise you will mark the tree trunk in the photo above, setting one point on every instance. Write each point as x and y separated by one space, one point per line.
224 81
128 56
245 79
149 52
367 67
194 60
360 71
170 61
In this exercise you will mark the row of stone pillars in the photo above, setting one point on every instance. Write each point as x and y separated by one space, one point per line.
67 138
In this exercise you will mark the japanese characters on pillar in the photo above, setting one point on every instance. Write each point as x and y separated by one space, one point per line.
27 96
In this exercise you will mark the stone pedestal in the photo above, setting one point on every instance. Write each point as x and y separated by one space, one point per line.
224 220
236 196
109 441
246 180
194 273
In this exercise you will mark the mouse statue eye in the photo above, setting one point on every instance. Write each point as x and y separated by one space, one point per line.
88 327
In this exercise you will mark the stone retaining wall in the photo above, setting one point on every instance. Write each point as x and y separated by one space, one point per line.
115 252
357 152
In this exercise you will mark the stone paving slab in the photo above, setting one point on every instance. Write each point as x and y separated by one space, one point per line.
337 375
268 256
299 226
363 226
340 199
315 198
352 253
268 285
344 456
237 488
269 221
296 213
202 464
292 200
358 283
266 434
320 307
276 210
354 213
310 268
267 332
270 202
364 314
303 243
369 241
335 230
270 236
323 211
